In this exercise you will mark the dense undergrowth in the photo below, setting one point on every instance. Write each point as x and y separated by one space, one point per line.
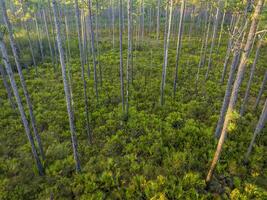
157 153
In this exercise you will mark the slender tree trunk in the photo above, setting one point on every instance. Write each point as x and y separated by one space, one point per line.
252 72
229 48
264 83
86 105
166 49
39 37
93 47
259 127
121 58
19 102
66 89
214 35
113 25
158 20
202 48
23 84
206 41
221 31
227 92
236 87
8 90
129 56
179 46
48 39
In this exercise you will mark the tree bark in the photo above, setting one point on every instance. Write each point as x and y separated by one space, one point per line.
8 90
66 89
165 63
19 102
22 81
236 87
179 46
259 127
252 72
93 48
264 82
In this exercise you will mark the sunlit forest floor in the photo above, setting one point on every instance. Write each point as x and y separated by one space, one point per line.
158 152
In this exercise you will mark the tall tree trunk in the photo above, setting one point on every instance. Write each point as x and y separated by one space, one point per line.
93 47
86 105
158 19
121 57
66 90
19 102
221 31
48 39
264 83
166 49
39 37
252 72
206 41
259 127
8 90
22 81
179 46
236 87
113 25
129 56
214 35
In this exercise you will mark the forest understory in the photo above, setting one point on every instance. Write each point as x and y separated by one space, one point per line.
145 145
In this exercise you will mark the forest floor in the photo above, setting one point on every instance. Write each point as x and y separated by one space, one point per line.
159 152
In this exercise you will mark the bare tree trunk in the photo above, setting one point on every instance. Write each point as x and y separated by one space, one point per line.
236 87
8 90
18 99
48 39
121 58
264 82
39 37
166 49
129 56
214 35
86 106
93 47
252 72
158 19
179 46
23 84
206 41
259 127
67 90
221 31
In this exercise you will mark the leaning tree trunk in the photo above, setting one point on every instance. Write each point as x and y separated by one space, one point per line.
236 87
66 89
19 102
179 46
166 49
93 47
22 81
252 72
78 25
259 127
264 83
8 90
